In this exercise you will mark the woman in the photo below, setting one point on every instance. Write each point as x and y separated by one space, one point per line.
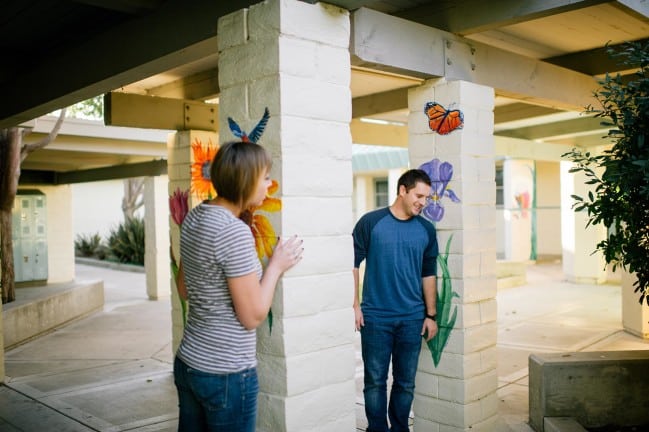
215 366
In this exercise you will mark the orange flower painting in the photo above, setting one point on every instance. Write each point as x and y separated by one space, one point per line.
202 155
262 230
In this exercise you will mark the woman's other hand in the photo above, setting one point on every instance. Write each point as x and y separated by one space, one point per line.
287 253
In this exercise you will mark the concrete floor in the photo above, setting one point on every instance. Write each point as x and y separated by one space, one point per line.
111 371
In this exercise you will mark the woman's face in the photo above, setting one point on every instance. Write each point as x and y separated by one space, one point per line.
261 190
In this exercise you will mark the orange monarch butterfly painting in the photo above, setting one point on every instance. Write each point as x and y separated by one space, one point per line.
442 120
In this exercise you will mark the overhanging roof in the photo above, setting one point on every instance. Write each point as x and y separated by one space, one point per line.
65 51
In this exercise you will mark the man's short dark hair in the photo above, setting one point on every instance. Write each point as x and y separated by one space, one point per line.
410 178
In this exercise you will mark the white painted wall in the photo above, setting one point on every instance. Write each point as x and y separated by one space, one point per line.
97 207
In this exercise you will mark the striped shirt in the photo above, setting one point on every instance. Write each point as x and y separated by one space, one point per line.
214 246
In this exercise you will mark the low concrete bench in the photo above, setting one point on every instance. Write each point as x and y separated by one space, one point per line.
38 310
511 273
596 388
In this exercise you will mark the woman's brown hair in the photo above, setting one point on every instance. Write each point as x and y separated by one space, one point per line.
236 168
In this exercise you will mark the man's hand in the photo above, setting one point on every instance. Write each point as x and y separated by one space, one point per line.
358 316
429 329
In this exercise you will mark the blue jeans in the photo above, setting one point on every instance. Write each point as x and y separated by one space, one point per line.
401 341
216 402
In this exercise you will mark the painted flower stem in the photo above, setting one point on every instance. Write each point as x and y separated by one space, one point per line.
445 319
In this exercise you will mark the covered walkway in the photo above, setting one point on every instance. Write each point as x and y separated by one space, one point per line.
111 371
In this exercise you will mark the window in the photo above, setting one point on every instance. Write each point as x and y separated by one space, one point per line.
500 196
380 193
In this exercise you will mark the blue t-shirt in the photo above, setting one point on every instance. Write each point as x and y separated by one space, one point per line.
398 254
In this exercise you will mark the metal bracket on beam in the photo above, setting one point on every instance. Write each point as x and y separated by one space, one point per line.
460 60
200 116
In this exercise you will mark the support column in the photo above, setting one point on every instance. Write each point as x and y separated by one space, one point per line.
457 392
580 264
518 189
187 151
293 58
361 186
156 237
393 181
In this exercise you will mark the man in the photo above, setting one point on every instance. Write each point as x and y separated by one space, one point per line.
399 299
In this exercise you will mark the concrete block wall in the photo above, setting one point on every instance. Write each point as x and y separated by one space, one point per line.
597 389
156 226
60 234
459 394
293 58
179 160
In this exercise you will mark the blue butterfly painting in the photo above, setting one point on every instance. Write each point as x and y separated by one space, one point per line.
256 132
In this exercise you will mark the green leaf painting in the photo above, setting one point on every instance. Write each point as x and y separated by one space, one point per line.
445 318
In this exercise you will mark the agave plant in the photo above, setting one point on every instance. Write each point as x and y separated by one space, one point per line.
126 242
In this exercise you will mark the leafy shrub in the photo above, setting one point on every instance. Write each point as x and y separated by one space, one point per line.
87 245
126 242
621 193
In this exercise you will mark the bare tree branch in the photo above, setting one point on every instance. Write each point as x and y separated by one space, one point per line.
28 148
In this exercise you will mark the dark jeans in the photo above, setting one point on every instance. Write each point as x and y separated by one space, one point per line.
216 402
400 341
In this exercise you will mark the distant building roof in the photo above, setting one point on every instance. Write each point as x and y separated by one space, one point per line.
376 158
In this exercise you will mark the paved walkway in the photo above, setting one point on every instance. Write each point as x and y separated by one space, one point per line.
111 371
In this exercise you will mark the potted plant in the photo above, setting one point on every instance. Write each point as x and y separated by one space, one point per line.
620 175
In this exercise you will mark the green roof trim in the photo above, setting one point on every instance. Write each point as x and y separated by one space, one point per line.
376 158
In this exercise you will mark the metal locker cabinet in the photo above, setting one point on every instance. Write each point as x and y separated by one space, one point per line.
30 236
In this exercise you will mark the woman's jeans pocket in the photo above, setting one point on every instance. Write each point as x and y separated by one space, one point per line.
216 402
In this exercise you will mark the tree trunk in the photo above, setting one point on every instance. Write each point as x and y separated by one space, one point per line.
9 173
7 259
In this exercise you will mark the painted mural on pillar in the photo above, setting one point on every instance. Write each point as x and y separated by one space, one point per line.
262 230
523 201
442 120
202 155
201 188
178 207
440 174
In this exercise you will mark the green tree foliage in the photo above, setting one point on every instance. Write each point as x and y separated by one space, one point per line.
92 109
620 200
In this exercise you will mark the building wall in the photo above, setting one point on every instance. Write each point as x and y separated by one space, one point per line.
97 207
548 202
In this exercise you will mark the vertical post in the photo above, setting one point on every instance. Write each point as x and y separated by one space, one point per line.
156 237
518 189
580 264
180 157
393 180
293 58
459 392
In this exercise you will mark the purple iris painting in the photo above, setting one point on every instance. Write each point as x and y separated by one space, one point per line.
440 174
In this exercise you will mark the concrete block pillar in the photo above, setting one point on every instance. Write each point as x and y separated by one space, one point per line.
635 316
518 189
293 58
393 181
459 392
187 151
361 188
156 237
580 264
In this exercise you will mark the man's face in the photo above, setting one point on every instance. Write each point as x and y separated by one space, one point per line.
414 200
